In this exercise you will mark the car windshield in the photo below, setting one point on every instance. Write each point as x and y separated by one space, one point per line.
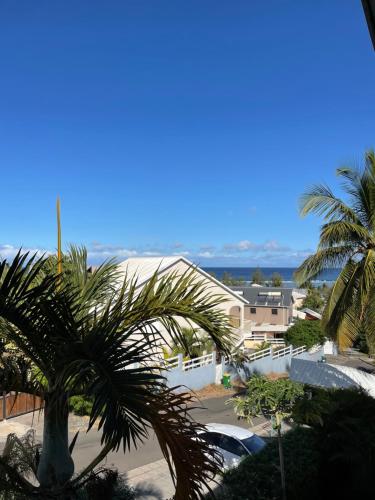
253 444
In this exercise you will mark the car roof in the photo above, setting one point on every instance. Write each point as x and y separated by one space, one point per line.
229 430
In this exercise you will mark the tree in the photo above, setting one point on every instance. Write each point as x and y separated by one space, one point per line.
276 280
193 344
79 335
273 399
347 240
305 333
257 277
230 280
313 300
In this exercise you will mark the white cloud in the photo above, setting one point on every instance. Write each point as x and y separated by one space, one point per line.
184 253
10 251
206 255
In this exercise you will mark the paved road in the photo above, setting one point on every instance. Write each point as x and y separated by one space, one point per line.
88 446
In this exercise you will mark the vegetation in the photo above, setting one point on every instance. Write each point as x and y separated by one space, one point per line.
193 346
258 476
230 280
258 277
75 335
270 398
80 405
276 280
339 443
347 240
313 299
305 333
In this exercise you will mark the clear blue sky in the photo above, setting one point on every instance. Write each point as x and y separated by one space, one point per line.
178 126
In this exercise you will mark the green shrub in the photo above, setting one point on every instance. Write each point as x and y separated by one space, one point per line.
305 332
258 476
332 458
80 405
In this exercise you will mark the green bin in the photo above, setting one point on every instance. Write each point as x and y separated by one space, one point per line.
226 381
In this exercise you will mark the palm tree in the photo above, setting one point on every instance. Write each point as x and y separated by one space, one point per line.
347 241
78 335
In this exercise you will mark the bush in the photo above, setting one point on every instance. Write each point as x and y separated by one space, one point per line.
80 405
258 476
332 458
345 436
305 332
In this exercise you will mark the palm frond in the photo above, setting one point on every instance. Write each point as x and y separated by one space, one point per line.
344 232
321 201
324 258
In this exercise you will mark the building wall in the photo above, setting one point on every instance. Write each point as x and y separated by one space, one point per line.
264 315
215 289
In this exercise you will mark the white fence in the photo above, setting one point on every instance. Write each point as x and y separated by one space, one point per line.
262 337
199 372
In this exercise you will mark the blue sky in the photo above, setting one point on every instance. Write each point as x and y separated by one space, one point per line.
178 126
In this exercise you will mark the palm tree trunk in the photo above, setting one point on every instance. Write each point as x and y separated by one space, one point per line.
282 466
56 466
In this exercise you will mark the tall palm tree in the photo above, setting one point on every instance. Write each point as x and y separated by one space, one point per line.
80 336
347 241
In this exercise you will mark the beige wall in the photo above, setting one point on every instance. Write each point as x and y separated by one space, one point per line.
264 315
232 305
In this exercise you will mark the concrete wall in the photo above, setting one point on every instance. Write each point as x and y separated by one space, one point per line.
194 379
269 365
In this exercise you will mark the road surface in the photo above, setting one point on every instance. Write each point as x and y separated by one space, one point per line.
88 445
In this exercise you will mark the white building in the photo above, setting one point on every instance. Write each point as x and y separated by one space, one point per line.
143 268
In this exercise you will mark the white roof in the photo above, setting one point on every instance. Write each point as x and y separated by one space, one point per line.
312 313
143 268
230 430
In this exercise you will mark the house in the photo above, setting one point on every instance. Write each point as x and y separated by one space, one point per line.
143 268
268 314
311 315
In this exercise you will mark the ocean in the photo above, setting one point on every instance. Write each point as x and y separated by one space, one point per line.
328 276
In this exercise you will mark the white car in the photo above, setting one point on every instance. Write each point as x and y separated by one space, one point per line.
232 442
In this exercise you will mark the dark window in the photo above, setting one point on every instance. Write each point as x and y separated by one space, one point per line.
212 438
253 310
274 311
254 444
232 445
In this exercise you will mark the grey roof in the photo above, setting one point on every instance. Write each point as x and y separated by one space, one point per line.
257 296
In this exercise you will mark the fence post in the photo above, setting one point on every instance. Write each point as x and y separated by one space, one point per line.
180 360
4 406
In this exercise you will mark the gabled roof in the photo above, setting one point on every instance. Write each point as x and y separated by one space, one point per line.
143 268
266 295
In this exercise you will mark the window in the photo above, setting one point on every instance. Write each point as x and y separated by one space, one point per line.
232 446
274 311
212 438
254 443
253 310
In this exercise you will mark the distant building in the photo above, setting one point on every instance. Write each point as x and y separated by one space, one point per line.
268 314
311 315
